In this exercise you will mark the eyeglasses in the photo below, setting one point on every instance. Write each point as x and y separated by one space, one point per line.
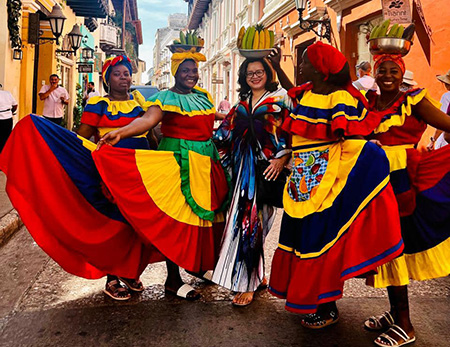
257 73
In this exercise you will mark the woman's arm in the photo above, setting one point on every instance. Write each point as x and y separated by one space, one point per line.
86 130
432 115
139 126
275 58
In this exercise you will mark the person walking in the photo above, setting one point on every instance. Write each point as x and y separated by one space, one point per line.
420 182
365 81
250 135
338 189
90 92
175 196
63 201
408 82
445 107
8 106
54 97
224 105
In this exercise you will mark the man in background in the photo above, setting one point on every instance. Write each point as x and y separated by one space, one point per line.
90 92
54 97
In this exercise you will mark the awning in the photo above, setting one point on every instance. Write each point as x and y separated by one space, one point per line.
199 8
89 8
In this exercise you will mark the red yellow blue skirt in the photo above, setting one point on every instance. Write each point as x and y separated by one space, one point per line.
341 221
53 183
421 182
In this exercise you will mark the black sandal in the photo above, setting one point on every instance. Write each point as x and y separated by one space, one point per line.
132 284
116 291
317 321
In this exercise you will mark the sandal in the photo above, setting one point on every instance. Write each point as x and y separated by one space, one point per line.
238 296
380 322
184 292
134 285
205 276
316 320
263 285
115 291
390 341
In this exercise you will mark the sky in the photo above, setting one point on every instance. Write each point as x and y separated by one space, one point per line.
153 15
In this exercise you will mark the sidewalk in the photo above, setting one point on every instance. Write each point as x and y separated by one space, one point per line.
10 221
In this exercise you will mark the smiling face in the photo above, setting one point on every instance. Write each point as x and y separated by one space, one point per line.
389 77
256 76
54 80
120 79
187 75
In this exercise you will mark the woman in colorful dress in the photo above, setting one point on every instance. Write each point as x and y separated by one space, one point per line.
421 184
251 132
339 186
174 196
64 204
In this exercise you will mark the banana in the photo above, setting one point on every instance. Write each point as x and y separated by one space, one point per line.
182 38
408 34
244 39
400 31
195 39
383 28
256 40
272 38
267 38
393 31
176 42
251 34
240 37
374 32
262 40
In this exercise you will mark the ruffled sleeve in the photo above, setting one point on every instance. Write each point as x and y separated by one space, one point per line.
326 117
402 109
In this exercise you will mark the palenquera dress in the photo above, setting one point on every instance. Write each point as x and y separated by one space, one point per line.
174 197
245 136
53 183
340 217
421 183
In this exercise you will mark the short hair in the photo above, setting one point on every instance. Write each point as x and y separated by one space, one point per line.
244 90
364 65
54 75
92 83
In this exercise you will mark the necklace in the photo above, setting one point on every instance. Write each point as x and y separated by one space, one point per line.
179 91
389 104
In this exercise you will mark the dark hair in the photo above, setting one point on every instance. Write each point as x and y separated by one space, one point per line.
92 84
341 78
54 75
245 89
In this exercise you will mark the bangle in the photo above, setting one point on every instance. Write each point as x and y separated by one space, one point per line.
432 139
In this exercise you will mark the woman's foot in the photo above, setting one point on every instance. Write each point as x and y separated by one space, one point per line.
320 320
381 322
132 284
116 291
263 284
395 336
243 299
184 291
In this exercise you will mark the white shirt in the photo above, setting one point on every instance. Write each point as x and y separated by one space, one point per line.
365 83
440 142
53 106
445 100
91 94
7 101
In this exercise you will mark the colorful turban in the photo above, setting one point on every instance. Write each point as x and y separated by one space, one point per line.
179 57
114 61
325 58
395 58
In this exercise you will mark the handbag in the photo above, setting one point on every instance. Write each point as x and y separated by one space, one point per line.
270 192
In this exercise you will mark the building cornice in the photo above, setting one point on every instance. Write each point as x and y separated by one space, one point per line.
340 5
274 11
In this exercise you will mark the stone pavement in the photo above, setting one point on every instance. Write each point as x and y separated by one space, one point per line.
9 218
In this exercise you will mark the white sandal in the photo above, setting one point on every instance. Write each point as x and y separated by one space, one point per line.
392 342
183 292
376 324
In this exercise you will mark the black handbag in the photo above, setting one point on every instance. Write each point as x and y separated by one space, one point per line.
269 192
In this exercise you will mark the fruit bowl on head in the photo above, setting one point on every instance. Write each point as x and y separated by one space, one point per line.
175 48
389 45
255 53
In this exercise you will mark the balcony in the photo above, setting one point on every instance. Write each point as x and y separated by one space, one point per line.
108 37
89 8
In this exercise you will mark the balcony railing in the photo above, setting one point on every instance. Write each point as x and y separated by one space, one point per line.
108 37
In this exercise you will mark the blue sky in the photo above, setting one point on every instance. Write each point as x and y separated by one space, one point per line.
153 15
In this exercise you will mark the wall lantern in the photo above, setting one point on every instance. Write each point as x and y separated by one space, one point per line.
87 53
17 54
75 37
324 24
56 19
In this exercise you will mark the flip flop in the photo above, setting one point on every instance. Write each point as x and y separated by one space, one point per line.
183 292
238 295
380 322
391 341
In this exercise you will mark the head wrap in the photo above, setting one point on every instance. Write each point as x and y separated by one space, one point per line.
395 58
325 58
114 61
179 57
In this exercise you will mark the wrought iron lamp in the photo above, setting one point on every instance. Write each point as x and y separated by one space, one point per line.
17 54
87 53
56 19
75 37
324 24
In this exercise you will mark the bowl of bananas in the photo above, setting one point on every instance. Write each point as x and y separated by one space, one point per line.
394 40
255 42
187 41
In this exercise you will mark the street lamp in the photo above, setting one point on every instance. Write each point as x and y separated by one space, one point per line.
56 19
309 24
87 53
75 37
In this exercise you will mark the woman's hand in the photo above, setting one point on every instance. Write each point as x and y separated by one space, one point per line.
378 143
110 139
275 57
276 166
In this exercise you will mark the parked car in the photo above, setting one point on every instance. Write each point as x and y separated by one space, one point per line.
146 91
